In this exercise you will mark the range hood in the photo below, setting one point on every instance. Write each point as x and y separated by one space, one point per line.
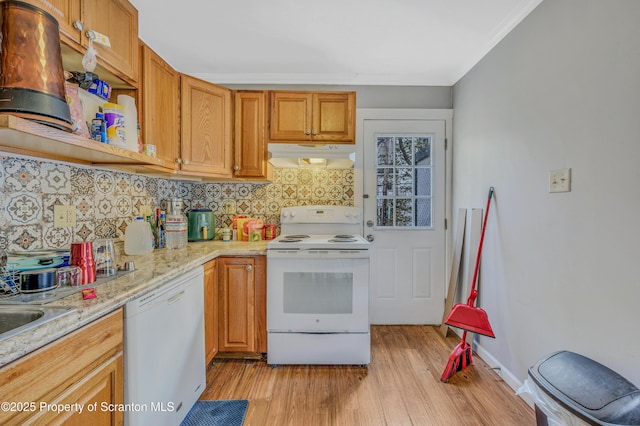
292 155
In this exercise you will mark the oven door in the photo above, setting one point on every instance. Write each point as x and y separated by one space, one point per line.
318 291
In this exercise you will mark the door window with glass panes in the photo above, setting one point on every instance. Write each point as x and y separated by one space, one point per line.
404 172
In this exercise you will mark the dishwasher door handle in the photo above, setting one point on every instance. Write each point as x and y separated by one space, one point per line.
175 298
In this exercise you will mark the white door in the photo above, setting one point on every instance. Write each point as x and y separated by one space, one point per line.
404 213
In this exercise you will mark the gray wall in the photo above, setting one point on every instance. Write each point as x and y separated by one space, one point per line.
378 96
559 270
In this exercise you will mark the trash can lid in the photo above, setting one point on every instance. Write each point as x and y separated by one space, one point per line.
587 388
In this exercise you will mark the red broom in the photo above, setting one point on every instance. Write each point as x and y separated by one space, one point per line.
459 358
468 317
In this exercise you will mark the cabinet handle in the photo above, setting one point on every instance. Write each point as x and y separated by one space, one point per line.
178 160
307 132
185 161
78 25
91 35
314 132
236 167
249 268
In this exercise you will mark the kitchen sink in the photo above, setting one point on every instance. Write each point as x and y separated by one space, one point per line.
16 319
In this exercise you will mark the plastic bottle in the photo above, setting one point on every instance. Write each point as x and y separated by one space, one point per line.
137 237
152 225
160 229
103 128
176 231
99 128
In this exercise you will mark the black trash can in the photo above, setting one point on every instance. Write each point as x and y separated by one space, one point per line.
583 388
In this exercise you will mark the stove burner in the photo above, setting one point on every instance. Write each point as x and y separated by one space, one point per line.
295 237
344 237
290 240
342 240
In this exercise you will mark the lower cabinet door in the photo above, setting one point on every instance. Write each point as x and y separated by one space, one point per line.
96 399
211 309
237 304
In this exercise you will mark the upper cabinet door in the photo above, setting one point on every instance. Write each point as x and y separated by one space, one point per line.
334 117
67 12
323 117
118 20
160 106
291 116
250 138
206 123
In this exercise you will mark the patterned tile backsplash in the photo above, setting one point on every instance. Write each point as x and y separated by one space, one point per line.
107 200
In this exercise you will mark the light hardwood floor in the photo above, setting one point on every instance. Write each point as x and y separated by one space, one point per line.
401 386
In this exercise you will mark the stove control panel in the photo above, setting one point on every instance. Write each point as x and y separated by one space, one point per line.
320 214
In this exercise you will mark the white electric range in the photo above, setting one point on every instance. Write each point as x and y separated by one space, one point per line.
318 288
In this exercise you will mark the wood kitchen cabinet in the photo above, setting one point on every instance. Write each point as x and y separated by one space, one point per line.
242 302
250 135
211 323
84 367
159 109
206 143
324 117
117 19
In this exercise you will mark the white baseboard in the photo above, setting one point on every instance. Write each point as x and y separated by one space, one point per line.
506 375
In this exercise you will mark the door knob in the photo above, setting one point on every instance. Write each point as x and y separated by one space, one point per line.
249 268
370 223
370 238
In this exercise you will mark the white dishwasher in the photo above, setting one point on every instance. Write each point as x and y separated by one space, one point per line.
164 352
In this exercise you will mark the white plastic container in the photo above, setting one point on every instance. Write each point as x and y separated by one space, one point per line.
138 237
130 121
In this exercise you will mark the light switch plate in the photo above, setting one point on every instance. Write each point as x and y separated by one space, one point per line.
64 216
145 211
229 207
560 180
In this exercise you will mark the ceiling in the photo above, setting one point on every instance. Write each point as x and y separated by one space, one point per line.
351 42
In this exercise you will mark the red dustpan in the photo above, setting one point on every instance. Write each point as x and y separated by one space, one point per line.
468 317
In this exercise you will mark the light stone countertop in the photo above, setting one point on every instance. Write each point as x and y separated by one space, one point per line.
152 271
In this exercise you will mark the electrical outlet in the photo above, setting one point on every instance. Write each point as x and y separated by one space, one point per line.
560 180
230 207
64 216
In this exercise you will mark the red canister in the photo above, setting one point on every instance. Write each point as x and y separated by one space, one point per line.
82 257
269 231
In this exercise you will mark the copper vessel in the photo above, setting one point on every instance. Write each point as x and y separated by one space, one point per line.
31 71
